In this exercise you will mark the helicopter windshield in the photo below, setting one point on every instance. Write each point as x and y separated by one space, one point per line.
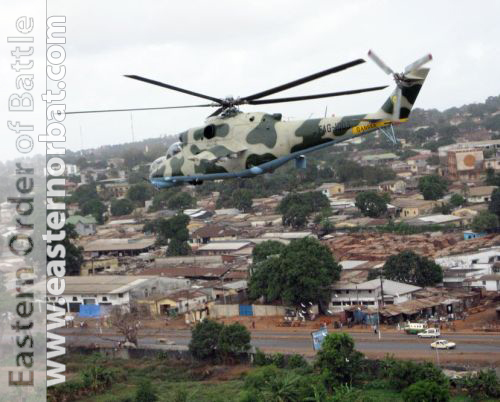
173 149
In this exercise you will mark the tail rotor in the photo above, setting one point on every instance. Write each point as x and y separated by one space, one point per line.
401 79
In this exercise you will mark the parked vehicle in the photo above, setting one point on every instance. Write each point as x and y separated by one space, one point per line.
443 344
414 328
430 333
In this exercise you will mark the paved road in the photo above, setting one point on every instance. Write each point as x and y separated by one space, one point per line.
301 341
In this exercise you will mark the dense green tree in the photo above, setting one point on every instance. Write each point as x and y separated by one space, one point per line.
302 273
181 200
212 340
95 208
427 391
409 267
494 204
371 204
160 199
74 254
296 207
140 192
178 247
266 280
204 339
266 249
457 200
120 207
172 231
242 200
432 187
296 216
338 360
484 221
84 193
234 339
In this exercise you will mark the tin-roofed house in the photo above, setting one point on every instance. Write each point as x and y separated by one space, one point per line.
84 225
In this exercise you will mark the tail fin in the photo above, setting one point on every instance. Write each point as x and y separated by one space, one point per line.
410 88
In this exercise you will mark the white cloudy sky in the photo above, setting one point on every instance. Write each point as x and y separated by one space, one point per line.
237 48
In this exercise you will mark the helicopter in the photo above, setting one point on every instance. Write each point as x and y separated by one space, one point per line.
234 144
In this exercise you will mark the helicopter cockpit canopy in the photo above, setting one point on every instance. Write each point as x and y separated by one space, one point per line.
173 149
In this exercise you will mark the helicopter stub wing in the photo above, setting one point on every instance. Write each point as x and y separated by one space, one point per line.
218 152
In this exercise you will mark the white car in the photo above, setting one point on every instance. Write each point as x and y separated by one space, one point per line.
430 333
443 344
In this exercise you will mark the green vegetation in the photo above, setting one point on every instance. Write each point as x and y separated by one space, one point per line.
240 198
301 273
218 342
296 207
139 193
485 384
180 201
427 391
484 221
276 377
173 232
371 204
74 254
457 200
432 187
494 204
121 207
338 361
409 267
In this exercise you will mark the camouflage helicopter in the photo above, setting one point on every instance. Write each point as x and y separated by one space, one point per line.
233 144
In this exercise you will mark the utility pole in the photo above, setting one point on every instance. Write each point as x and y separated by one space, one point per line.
378 304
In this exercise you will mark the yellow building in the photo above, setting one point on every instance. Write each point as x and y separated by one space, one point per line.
97 265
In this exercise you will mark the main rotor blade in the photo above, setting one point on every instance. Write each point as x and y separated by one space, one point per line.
186 91
141 108
317 96
217 112
420 62
303 80
378 61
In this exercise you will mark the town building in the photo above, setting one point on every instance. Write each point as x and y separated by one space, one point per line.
226 247
114 290
371 293
410 208
331 189
463 165
393 186
479 194
84 225
209 233
118 247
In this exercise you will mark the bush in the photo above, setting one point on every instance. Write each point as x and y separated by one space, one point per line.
427 391
482 385
405 373
296 361
212 340
145 392
338 360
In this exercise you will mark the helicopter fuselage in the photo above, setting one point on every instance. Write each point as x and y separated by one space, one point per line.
249 144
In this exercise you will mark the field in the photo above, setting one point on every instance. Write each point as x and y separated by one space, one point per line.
177 381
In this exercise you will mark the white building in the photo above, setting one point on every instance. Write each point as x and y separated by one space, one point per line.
458 268
111 290
370 293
